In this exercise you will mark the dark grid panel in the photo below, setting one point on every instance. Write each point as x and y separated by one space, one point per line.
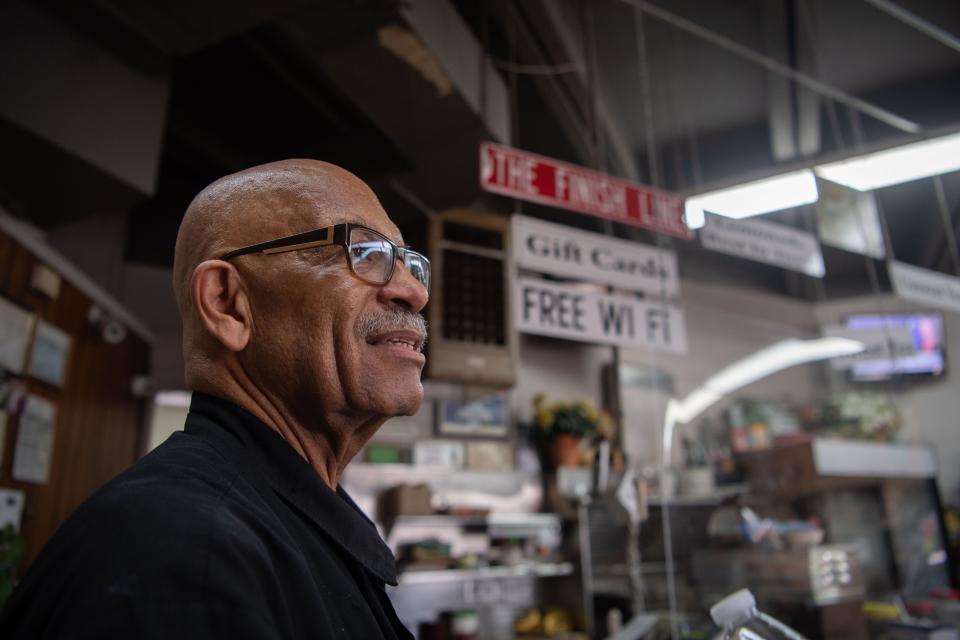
473 299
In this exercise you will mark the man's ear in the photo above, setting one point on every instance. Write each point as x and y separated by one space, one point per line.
221 303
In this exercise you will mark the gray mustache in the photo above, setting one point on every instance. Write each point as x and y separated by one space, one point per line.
374 323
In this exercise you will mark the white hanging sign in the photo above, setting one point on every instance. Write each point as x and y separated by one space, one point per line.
849 219
567 311
925 287
571 253
762 241
528 176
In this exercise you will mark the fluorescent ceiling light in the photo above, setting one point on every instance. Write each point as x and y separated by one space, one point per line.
767 361
753 198
893 166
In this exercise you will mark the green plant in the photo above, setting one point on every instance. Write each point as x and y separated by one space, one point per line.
861 414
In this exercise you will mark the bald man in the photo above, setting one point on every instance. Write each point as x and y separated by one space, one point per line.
302 335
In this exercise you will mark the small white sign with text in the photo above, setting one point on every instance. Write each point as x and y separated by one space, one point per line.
571 253
922 286
767 242
567 311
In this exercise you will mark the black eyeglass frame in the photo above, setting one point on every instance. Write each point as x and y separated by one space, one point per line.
338 234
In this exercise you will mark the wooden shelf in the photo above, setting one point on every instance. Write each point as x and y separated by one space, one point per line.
705 500
536 570
495 520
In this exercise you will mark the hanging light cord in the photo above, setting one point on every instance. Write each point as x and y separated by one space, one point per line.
537 69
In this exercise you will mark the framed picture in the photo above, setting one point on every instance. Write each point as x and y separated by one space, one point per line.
438 453
484 417
486 455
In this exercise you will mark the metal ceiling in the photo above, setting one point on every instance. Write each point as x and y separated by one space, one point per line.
715 71
257 80
688 95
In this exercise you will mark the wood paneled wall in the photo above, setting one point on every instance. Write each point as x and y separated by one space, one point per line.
99 424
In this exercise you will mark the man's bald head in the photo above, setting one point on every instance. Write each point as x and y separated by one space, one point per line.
257 204
299 338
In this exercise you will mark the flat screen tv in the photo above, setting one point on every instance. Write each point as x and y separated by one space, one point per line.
926 358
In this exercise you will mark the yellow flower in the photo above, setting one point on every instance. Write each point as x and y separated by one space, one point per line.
544 418
591 413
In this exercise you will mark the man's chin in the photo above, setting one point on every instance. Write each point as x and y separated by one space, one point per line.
411 403
403 401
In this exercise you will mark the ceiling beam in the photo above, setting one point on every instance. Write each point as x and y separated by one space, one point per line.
614 132
918 23
774 66
442 30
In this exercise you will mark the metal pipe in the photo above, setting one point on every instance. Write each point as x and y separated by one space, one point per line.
918 23
945 218
617 136
586 562
774 66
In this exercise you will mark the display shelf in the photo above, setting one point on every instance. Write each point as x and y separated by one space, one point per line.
495 491
574 482
715 497
371 474
536 570
622 571
836 457
441 520
493 520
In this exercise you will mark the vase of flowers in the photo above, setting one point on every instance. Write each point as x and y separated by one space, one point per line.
560 428
564 450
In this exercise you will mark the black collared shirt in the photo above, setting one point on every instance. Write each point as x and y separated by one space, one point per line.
223 531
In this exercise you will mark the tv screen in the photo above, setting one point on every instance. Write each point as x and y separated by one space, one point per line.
916 345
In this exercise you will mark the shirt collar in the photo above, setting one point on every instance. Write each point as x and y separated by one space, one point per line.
292 477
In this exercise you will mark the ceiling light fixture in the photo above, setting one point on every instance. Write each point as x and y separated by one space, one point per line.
784 191
867 172
894 166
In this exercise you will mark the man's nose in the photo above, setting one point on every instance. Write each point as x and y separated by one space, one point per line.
404 289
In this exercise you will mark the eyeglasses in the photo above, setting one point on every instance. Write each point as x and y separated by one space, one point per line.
371 255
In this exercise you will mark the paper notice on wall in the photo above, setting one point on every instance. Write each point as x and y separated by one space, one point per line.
16 325
767 242
922 286
567 311
48 359
34 446
11 508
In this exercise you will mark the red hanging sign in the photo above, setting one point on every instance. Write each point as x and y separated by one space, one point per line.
528 176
